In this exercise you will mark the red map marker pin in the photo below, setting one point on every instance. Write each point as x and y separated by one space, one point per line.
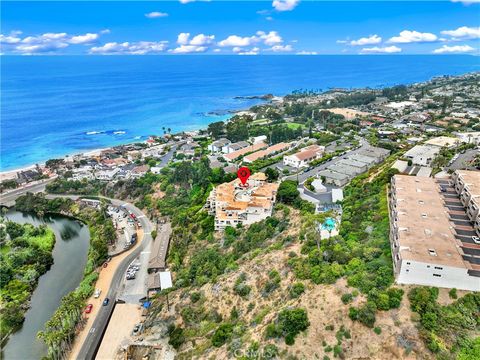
243 174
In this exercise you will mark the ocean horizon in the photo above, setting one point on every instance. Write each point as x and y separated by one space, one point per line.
53 106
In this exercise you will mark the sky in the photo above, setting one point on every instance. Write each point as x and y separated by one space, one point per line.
275 27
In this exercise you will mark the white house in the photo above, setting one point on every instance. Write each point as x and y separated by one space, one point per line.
218 145
304 157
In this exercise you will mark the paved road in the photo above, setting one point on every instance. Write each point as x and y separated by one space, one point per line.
305 175
92 342
8 199
168 156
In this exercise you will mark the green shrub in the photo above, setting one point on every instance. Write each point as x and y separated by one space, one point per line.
175 336
296 290
347 298
377 330
194 297
222 334
453 293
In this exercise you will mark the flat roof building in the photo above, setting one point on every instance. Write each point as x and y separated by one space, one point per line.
425 249
422 154
335 178
467 185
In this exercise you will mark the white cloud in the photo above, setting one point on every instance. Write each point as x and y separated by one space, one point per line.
192 45
190 1
445 49
187 49
183 38
45 43
281 48
271 38
342 41
381 50
84 39
39 48
285 5
253 51
237 49
135 48
463 32
105 31
269 18
202 39
303 52
235 40
156 14
12 38
217 50
407 36
370 40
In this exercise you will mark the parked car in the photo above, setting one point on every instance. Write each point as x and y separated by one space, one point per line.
476 239
88 309
97 293
105 264
106 301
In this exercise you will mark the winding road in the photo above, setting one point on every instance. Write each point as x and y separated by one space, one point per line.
93 339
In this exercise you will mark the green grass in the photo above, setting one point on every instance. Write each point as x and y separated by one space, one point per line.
295 126
45 241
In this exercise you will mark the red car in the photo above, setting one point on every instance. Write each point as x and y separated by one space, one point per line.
88 310
105 264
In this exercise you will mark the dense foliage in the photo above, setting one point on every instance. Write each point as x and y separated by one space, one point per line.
447 330
25 255
61 328
289 323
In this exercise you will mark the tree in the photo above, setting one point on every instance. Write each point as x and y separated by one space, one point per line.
216 129
272 174
288 192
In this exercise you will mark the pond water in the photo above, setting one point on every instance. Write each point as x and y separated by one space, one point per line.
70 257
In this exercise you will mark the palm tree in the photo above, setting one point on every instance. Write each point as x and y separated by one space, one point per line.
169 130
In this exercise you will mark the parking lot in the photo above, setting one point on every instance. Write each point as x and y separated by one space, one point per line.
134 285
126 229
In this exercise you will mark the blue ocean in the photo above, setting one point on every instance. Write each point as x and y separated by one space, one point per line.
52 106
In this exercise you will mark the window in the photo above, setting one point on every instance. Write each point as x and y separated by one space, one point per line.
432 252
438 268
408 263
437 275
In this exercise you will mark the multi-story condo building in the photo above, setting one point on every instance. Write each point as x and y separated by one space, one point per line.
467 185
429 246
233 203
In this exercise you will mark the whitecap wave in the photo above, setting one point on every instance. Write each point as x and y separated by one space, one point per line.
94 132
119 132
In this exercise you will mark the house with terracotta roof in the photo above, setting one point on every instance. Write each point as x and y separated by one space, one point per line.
233 203
243 151
271 150
304 157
